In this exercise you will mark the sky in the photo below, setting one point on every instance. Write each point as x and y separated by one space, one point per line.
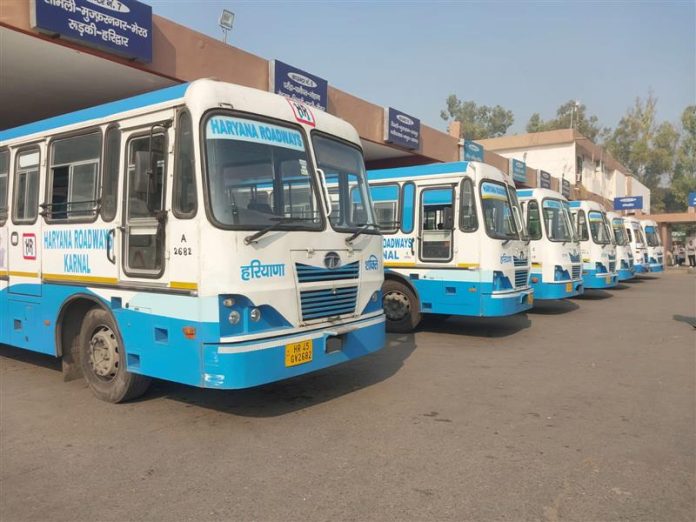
526 56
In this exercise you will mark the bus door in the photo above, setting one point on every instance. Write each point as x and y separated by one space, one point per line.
143 242
24 226
436 223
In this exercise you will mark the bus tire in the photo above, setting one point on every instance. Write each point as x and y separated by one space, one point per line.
102 359
400 307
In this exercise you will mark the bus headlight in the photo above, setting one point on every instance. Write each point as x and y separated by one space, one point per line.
255 314
234 317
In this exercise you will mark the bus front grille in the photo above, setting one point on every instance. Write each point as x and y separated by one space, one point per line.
328 302
577 271
521 277
312 274
520 261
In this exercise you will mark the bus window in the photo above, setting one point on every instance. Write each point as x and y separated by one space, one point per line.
436 224
583 234
408 207
497 211
145 201
468 221
598 227
112 150
533 220
630 236
26 187
72 185
651 236
4 173
385 200
185 201
557 227
256 182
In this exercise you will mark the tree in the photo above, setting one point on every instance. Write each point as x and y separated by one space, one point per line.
684 179
647 149
570 112
478 121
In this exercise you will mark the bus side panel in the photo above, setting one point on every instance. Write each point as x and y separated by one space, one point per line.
451 292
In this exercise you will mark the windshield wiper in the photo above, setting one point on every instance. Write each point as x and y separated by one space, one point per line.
253 238
360 231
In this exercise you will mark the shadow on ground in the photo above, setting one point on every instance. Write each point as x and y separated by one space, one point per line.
553 307
685 319
593 295
34 358
475 326
281 398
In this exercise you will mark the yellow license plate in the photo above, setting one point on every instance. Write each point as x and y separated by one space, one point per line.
608 280
569 287
298 353
530 299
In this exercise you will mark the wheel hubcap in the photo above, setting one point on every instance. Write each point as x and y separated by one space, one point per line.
396 305
104 356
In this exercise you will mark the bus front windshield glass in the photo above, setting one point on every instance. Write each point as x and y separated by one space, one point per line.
640 240
517 214
558 227
497 211
569 217
259 175
599 228
651 236
619 232
344 172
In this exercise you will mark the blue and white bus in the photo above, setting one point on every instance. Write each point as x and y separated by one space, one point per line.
636 240
655 251
596 245
454 242
625 268
186 234
554 249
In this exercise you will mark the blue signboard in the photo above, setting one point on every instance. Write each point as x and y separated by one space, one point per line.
299 85
121 27
692 199
472 151
519 170
402 129
544 179
628 203
565 188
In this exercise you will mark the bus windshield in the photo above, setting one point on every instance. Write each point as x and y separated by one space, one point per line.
619 232
651 236
344 172
639 234
569 217
497 211
259 175
599 228
558 226
517 213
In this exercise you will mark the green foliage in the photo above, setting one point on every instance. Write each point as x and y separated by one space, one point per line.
569 112
478 121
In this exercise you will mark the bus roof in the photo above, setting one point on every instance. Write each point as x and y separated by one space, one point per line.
540 192
419 170
99 111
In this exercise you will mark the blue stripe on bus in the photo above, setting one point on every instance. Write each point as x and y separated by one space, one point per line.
418 170
97 112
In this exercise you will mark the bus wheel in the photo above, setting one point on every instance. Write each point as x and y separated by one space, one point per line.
400 306
103 360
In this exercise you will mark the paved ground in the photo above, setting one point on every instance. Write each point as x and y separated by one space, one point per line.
583 410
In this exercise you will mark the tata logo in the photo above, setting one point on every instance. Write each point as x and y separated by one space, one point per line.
332 260
404 119
302 80
112 5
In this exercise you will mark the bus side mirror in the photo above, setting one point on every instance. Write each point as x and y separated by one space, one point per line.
448 218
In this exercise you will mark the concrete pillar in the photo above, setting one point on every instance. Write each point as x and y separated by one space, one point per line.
666 235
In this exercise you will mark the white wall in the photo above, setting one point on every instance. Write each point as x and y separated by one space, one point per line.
557 160
638 189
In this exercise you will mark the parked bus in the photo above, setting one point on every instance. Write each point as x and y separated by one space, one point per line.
454 242
624 256
654 245
596 246
636 240
555 252
186 234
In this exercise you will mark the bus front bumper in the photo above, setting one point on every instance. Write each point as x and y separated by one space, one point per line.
557 289
247 364
656 267
641 268
624 274
599 280
509 303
